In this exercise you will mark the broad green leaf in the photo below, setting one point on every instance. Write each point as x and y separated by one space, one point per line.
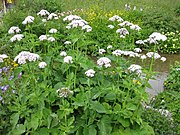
104 125
131 106
98 107
124 122
92 130
14 119
20 129
111 96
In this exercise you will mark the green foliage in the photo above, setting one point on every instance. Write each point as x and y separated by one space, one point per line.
172 82
177 10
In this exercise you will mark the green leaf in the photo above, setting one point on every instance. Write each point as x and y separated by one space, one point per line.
98 107
104 125
14 119
131 106
124 122
92 130
20 129
111 96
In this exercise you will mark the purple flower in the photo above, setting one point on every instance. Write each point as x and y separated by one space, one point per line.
20 74
4 88
1 98
11 77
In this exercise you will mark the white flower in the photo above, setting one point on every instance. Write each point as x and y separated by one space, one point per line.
51 39
64 92
135 27
43 37
63 53
135 68
90 73
68 27
3 56
158 36
134 8
53 16
68 59
104 61
125 23
87 28
117 52
122 36
143 57
122 31
17 37
153 55
72 17
25 55
43 12
101 51
137 50
52 30
42 65
14 30
116 17
109 46
110 26
67 42
140 42
163 59
28 19
76 23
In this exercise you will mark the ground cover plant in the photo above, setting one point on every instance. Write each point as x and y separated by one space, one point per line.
70 73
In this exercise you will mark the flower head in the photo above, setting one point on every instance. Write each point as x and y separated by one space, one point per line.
42 65
90 73
28 19
109 46
101 51
135 68
53 16
51 39
110 26
63 53
64 92
137 50
43 13
68 59
53 30
104 61
14 30
163 59
43 37
67 42
17 37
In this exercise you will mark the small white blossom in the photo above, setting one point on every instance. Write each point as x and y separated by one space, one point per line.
109 46
43 37
110 26
122 31
43 13
117 52
44 20
42 65
135 27
116 17
51 39
28 19
87 28
104 61
67 42
158 36
63 53
64 92
140 42
14 30
68 59
3 56
53 16
137 50
90 73
163 59
143 57
135 68
125 23
72 17
153 55
53 30
101 51
17 37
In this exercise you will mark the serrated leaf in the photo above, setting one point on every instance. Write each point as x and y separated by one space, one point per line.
98 107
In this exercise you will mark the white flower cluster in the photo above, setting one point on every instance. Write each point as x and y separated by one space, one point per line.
153 39
17 37
43 13
67 42
101 51
45 37
42 65
132 26
53 16
104 61
63 53
125 53
64 92
68 60
111 26
76 21
123 32
25 55
14 30
28 19
116 18
109 46
135 68
53 31
90 73
3 56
